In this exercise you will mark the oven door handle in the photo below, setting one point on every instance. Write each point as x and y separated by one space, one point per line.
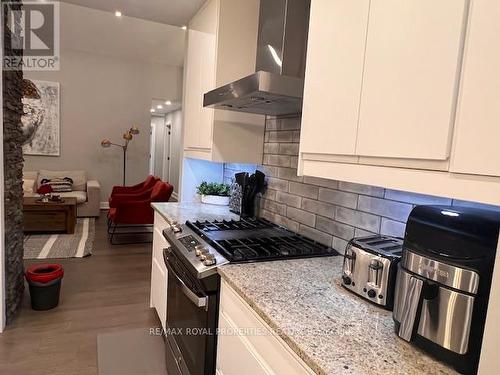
192 296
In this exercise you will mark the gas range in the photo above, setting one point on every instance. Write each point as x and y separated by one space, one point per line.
204 245
196 249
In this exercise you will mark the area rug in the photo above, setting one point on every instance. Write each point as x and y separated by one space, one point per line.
131 352
76 245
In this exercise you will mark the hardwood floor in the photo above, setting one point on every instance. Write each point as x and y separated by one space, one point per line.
106 292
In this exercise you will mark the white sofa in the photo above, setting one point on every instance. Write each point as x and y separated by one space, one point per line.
86 192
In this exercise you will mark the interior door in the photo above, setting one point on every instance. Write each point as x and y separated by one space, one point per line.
335 54
475 148
152 147
412 62
166 151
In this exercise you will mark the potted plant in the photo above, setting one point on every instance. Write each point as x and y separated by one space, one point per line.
214 193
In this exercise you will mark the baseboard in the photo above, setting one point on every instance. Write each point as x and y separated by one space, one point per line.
175 196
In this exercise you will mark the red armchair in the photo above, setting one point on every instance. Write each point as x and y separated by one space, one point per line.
137 192
136 212
147 184
114 200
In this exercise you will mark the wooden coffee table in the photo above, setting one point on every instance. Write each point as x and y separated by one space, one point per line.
49 217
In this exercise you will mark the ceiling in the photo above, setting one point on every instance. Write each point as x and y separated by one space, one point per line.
174 106
100 32
171 12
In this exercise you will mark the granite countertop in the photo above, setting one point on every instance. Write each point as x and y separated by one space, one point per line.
181 212
331 329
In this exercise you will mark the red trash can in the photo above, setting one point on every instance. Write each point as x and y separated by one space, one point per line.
44 282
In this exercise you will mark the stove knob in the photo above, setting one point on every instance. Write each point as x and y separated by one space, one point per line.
177 228
200 250
174 223
372 293
206 255
209 260
347 280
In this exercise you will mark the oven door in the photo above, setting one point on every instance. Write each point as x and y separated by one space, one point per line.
191 321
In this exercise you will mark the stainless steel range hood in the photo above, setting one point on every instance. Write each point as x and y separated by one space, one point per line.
276 88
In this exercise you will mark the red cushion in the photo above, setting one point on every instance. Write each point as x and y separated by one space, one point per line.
44 189
149 182
139 188
139 212
161 192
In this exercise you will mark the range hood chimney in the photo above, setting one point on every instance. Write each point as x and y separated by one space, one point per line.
277 86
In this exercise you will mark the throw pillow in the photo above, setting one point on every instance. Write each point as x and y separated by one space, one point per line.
59 185
44 189
28 186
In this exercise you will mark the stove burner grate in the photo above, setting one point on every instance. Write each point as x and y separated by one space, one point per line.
243 224
251 249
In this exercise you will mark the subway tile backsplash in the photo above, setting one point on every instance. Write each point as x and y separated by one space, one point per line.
331 212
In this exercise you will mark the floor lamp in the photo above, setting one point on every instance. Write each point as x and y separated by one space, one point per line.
127 136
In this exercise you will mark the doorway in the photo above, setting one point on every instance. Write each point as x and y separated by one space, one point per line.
159 154
152 146
166 141
167 150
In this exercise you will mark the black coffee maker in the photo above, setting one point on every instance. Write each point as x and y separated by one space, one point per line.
443 282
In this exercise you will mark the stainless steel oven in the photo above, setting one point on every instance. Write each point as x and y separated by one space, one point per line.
192 313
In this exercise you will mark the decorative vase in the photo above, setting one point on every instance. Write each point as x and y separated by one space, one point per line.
215 199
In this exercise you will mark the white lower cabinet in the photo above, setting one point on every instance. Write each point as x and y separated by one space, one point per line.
235 355
247 345
159 273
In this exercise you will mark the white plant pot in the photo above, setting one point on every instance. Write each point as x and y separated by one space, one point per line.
215 199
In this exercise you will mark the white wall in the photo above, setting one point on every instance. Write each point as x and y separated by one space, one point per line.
101 97
195 171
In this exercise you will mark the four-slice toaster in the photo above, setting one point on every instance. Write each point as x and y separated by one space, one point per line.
370 268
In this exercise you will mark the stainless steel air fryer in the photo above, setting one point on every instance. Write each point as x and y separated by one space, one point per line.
443 282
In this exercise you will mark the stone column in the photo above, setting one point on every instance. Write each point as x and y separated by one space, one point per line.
13 173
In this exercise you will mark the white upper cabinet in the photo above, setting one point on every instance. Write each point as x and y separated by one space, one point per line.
335 55
221 47
382 78
208 47
412 62
476 147
404 94
199 75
